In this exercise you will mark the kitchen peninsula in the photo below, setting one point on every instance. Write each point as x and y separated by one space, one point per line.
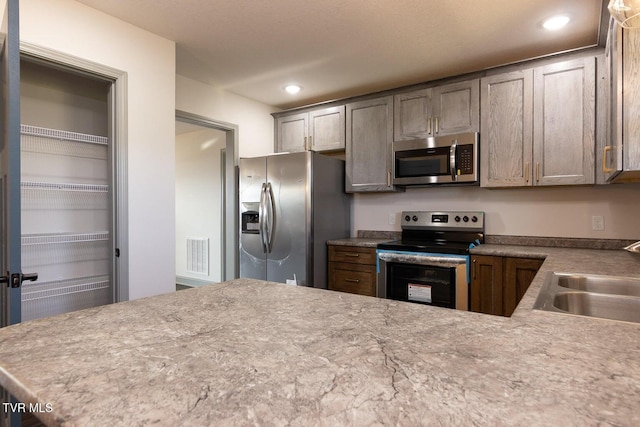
248 352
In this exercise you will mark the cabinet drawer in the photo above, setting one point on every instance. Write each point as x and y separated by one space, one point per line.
352 254
352 278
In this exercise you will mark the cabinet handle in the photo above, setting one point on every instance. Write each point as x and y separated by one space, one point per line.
474 267
606 169
537 171
310 142
352 280
437 126
429 125
352 254
526 173
388 178
305 143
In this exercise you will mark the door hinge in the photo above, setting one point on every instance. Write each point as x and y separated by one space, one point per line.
117 252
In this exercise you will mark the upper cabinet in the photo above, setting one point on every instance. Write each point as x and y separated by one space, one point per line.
621 159
368 153
440 110
506 135
538 126
317 130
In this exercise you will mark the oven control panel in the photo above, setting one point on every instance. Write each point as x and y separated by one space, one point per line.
444 219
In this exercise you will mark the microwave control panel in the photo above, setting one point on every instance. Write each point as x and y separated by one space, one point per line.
465 159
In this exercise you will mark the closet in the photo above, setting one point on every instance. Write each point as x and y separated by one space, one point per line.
66 189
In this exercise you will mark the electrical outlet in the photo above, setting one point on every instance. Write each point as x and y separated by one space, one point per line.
392 219
597 222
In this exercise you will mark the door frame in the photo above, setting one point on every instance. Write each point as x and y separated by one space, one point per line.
230 182
117 133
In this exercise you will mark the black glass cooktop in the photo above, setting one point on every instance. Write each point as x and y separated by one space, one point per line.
434 242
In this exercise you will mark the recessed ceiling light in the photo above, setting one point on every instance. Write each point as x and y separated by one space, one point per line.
555 22
293 89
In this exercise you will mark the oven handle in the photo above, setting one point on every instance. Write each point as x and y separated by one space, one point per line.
387 255
452 160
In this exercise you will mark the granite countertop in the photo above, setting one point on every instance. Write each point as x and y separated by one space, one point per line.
358 241
248 352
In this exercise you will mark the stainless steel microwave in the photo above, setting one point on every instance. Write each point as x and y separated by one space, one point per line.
451 159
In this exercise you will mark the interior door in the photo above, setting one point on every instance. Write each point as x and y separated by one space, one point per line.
10 239
10 257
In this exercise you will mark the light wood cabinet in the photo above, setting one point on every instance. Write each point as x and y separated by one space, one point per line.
440 110
621 157
291 133
368 152
352 269
506 129
538 126
317 130
499 283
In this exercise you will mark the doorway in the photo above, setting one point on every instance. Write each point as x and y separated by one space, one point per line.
65 190
206 201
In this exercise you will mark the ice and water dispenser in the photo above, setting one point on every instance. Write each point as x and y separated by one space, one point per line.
251 218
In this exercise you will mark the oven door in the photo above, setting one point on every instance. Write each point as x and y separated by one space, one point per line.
433 279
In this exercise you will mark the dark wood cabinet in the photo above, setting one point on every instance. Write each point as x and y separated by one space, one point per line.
499 283
352 269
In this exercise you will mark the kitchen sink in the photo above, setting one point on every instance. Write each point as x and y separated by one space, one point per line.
607 297
612 307
601 284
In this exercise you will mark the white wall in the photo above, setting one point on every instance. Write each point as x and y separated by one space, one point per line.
198 198
544 212
149 62
55 99
255 135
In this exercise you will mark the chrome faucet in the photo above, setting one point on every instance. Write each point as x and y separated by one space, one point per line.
634 247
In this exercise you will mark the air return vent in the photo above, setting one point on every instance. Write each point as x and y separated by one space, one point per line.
198 255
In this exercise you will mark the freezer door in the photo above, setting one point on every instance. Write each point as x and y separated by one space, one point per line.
288 179
253 258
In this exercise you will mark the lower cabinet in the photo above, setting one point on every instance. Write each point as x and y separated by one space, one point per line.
352 269
499 283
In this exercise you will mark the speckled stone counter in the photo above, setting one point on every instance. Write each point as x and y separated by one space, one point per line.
358 241
367 238
248 352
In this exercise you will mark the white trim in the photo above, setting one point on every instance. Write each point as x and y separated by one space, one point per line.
230 226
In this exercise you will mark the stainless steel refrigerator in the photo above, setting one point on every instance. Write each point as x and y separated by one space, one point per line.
290 205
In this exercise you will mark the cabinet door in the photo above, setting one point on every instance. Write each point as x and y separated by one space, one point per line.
631 101
456 108
291 133
506 136
368 148
564 123
327 129
412 115
486 284
518 275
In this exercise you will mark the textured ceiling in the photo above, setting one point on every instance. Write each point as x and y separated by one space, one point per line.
340 48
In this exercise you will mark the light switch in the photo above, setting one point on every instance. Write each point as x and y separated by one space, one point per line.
392 219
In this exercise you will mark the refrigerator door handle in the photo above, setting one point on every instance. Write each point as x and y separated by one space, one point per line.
262 217
271 219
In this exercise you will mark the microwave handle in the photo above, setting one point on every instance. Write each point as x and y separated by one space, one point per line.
452 160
